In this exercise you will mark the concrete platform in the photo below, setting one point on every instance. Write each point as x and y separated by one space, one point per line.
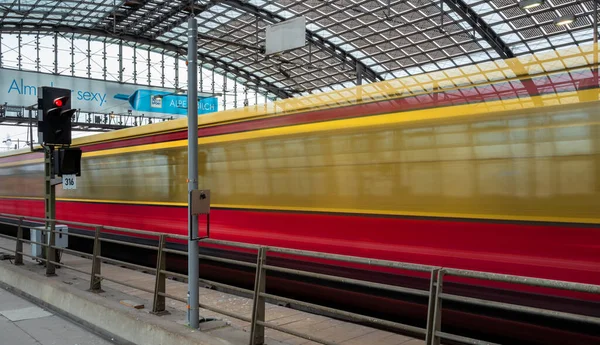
24 323
113 314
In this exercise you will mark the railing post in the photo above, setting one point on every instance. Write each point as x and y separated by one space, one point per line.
257 332
19 246
95 285
436 325
431 306
159 305
51 257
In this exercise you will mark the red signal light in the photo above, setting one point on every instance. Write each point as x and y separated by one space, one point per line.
58 102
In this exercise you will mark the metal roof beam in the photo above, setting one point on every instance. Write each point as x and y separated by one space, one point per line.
481 27
319 41
196 9
139 26
241 73
112 21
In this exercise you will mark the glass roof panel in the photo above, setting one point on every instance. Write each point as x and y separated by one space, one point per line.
386 39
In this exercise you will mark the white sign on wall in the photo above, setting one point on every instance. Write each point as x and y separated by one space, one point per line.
19 88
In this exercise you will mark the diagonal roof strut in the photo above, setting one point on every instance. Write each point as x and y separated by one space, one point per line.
481 27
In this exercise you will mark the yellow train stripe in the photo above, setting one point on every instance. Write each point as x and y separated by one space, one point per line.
24 162
488 217
21 197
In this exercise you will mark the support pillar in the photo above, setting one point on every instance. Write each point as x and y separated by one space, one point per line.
193 263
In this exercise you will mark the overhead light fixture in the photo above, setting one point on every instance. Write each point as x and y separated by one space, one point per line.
564 20
527 4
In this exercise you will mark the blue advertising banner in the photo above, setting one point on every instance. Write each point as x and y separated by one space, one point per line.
166 102
20 88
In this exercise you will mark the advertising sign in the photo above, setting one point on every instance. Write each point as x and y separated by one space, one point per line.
19 88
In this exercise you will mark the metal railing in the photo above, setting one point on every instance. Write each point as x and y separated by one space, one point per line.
432 334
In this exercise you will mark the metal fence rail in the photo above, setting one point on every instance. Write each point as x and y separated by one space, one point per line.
432 334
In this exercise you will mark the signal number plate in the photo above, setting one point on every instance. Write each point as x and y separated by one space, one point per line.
69 181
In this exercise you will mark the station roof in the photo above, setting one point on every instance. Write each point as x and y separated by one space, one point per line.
384 39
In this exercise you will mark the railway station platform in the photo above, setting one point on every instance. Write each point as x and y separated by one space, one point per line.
24 323
123 313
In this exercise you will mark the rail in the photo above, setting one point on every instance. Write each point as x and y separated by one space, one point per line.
432 334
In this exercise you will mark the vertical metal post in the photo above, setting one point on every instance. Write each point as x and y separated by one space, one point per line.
37 52
193 269
55 53
149 65
19 246
95 284
160 285
213 82
135 63
89 57
201 80
162 69
235 93
73 54
359 96
177 72
50 214
19 55
104 59
431 307
436 326
257 331
225 90
120 61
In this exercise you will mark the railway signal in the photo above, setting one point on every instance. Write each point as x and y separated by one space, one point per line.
54 126
67 161
54 134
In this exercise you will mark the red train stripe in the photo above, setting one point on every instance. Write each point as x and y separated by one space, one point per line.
22 157
559 252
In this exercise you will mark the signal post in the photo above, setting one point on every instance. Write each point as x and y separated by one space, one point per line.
54 134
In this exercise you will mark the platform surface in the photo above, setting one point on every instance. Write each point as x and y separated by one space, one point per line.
233 331
23 323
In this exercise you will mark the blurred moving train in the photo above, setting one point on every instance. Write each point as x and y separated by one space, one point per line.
492 167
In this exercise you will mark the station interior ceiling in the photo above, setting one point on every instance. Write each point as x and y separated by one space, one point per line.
348 42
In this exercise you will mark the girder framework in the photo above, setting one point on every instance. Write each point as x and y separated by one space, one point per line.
347 41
